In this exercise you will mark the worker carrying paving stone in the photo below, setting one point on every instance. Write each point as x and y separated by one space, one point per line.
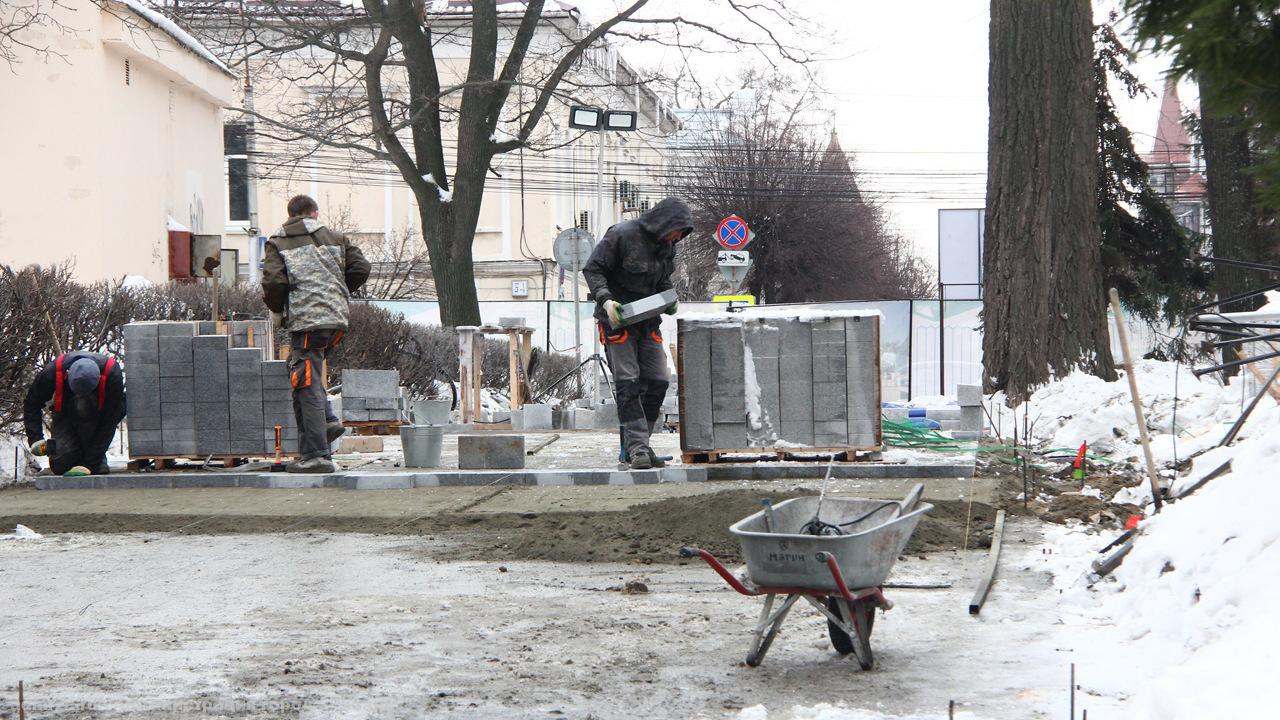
634 260
85 392
308 275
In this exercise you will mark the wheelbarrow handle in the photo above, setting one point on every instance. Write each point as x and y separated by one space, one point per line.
721 570
834 567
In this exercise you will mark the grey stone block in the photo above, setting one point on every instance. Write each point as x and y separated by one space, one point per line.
971 418
250 446
176 329
175 355
246 356
143 449
355 415
144 422
354 404
275 375
142 350
797 432
966 435
729 436
695 411
969 395
648 307
176 390
371 383
206 327
145 436
141 330
383 415
140 372
488 451
582 419
536 416
376 403
606 416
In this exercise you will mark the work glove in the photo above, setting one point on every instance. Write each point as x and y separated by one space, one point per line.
77 471
40 448
672 308
613 309
277 320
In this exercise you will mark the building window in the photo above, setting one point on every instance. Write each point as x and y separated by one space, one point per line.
126 72
235 149
584 221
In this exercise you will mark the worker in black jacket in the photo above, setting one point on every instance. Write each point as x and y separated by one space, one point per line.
634 260
85 392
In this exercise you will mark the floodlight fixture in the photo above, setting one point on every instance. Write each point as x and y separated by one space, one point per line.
619 120
585 118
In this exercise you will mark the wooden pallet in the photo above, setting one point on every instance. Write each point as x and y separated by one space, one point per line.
758 454
166 462
373 427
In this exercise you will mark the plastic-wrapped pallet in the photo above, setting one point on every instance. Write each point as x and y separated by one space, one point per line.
781 381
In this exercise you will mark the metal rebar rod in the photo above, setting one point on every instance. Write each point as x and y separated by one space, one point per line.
1239 263
1234 363
1244 416
1235 298
1247 339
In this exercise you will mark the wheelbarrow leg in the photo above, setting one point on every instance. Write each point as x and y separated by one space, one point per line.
767 628
849 625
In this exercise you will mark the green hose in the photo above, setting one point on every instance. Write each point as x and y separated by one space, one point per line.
905 434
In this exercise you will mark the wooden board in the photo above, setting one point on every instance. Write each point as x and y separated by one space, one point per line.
743 455
989 572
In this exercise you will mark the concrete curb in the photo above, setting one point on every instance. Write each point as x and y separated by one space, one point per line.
860 470
388 480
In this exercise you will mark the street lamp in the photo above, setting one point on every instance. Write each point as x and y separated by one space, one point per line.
583 117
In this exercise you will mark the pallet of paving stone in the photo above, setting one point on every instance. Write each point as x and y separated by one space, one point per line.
751 455
780 384
369 427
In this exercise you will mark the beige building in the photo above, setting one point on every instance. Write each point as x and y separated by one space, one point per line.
107 138
529 197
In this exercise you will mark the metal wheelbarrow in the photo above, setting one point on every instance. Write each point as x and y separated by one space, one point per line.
838 574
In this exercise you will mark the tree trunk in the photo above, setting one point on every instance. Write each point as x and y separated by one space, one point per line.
1044 313
451 268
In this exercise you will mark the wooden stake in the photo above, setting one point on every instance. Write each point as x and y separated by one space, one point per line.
1139 415
22 706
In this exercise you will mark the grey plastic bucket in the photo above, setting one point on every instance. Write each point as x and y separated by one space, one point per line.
421 444
431 412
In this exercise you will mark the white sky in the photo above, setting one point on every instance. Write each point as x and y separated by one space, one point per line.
907 84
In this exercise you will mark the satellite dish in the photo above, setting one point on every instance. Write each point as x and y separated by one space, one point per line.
572 248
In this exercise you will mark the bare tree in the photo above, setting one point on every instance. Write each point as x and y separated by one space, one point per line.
763 156
26 27
1044 311
382 85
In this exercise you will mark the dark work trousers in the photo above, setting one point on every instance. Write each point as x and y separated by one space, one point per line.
311 407
640 379
72 435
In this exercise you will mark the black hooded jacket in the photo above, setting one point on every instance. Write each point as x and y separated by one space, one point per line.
632 261
103 420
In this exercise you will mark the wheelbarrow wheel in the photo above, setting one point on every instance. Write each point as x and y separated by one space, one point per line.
842 641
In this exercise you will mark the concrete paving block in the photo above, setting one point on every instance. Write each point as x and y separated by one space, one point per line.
205 480
480 452
968 395
139 449
212 415
966 435
582 419
377 403
140 350
431 479
143 403
249 447
360 444
682 474
275 375
648 307
383 481
729 435
141 372
383 415
355 415
548 478
797 432
185 329
246 356
176 390
536 416
971 418
297 481
175 356
371 383
143 422
354 404
590 477
606 416
141 330
145 436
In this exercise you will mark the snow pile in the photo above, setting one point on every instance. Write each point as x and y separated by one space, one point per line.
1083 408
823 711
172 30
22 532
1192 630
14 448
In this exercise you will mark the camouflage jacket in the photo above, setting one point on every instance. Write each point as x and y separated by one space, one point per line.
308 273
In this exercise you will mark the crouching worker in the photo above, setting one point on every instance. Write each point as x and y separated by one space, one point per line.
308 275
85 392
634 260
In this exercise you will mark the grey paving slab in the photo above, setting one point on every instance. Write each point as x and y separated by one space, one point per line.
184 329
491 451
371 383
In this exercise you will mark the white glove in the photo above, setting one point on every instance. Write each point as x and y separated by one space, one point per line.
613 309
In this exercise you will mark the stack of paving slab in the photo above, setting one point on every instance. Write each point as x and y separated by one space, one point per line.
964 420
780 380
371 396
193 395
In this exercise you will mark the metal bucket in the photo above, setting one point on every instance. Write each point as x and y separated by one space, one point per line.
431 412
421 444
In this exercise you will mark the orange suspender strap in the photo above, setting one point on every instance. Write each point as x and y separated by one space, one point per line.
102 384
59 378
338 338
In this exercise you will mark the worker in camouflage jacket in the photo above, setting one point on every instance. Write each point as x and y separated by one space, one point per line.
308 275
633 260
